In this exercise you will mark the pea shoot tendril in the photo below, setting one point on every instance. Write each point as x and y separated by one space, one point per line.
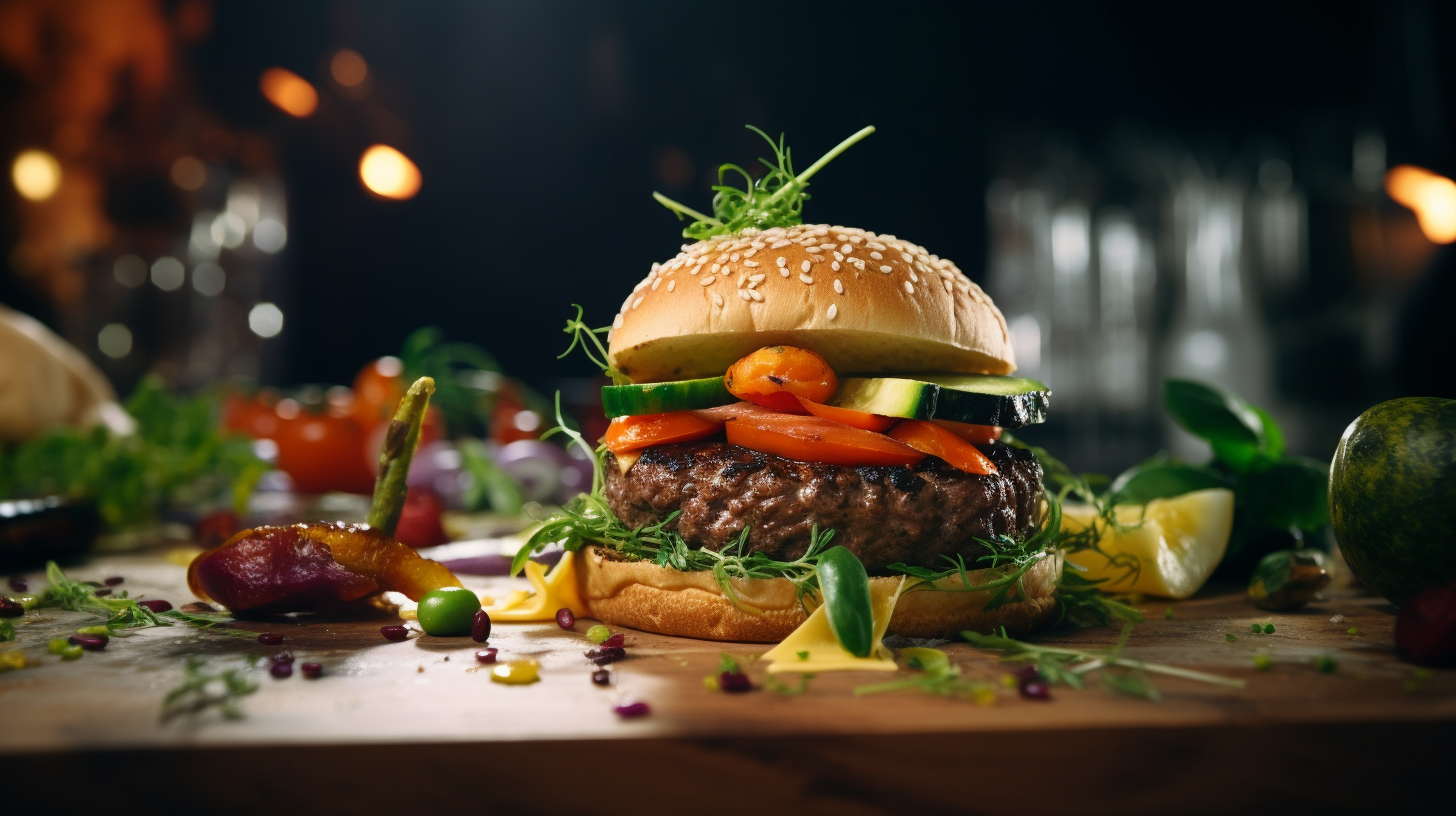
775 200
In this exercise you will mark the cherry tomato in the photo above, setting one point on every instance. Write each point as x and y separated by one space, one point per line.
252 415
419 520
378 388
322 451
777 376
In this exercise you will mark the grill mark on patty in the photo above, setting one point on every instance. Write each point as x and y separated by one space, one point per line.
883 514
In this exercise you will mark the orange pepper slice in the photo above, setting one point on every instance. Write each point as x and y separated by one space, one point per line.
930 438
974 434
631 433
848 416
812 439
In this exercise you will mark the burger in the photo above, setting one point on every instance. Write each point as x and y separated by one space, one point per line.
787 389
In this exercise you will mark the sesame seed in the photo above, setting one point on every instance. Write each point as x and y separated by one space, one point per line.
909 288
671 284
636 303
838 286
805 266
756 295
875 245
716 267
717 299
706 281
838 257
757 245
782 261
907 256
914 277
724 255
841 237
948 287
856 239
743 293
617 322
832 311
655 283
877 256
750 263
784 272
858 262
779 244
814 249
834 266
749 253
757 278
735 257
846 249
806 279
887 269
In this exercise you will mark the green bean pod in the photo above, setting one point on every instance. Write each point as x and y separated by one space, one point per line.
400 441
846 591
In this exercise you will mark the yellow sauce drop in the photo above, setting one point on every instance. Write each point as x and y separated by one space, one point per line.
516 672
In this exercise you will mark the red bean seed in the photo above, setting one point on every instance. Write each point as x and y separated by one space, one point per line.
480 627
270 638
395 633
565 618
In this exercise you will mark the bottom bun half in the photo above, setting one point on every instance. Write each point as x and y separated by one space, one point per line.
641 595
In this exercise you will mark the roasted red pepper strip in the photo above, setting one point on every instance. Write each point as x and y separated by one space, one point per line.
937 441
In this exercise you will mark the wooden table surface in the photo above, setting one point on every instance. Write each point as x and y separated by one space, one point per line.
425 707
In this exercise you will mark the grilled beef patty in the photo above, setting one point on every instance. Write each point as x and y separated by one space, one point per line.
884 514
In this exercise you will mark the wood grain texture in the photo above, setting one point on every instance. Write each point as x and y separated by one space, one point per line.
425 706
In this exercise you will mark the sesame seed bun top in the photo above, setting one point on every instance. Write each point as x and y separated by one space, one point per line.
871 304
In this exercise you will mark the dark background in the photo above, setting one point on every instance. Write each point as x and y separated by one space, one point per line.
541 130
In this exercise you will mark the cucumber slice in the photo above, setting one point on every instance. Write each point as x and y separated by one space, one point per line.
1009 402
659 398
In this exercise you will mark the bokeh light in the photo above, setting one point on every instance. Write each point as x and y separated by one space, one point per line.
209 279
168 273
389 173
130 271
114 340
348 68
1430 196
270 236
290 92
265 319
189 173
36 174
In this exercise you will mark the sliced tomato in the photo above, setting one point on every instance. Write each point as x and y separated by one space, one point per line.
974 434
848 416
776 376
812 439
636 432
937 441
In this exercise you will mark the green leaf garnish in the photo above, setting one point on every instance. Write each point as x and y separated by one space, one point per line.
1118 674
846 589
775 200
201 690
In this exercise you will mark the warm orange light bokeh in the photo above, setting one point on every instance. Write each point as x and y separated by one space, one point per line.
389 173
1431 197
349 68
36 174
289 91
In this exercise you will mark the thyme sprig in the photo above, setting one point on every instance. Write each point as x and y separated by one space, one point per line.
121 611
775 200
201 690
1117 674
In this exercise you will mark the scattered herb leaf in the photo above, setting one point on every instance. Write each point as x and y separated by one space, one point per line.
1168 613
1229 636
201 690
778 686
1324 664
802 655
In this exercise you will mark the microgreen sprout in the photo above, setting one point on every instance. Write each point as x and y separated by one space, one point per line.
775 200
1117 674
1230 637
943 680
1168 613
201 690
586 337
778 686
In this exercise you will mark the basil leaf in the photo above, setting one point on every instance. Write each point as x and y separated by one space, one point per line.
1213 414
846 589
1161 479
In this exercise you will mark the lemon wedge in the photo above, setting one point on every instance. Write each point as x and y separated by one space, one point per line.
1178 541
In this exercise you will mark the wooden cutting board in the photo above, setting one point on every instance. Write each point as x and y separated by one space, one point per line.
425 706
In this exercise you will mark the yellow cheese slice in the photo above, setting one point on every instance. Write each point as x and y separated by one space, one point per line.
822 652
550 591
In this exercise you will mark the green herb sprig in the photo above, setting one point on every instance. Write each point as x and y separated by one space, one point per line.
121 612
201 690
586 337
775 200
1117 674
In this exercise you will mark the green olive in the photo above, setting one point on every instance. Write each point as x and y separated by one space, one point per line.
448 612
